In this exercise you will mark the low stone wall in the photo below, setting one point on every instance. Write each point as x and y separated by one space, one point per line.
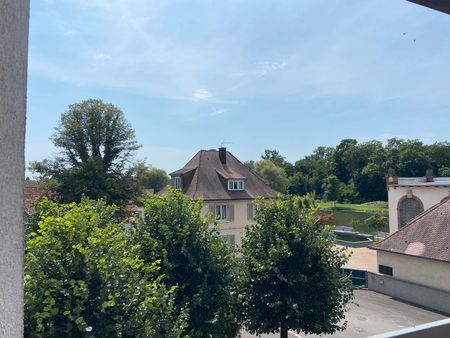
361 244
431 298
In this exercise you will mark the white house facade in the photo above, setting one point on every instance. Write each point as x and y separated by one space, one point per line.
228 190
409 196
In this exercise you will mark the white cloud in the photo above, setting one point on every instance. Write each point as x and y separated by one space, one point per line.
268 67
69 33
218 112
102 57
202 95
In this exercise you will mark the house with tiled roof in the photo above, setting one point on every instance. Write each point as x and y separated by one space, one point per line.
415 260
32 191
227 187
409 196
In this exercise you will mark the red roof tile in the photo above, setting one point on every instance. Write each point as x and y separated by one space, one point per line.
32 191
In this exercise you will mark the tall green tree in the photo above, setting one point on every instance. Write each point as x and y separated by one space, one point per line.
84 278
341 159
95 145
332 188
279 160
149 178
275 175
195 258
290 277
413 159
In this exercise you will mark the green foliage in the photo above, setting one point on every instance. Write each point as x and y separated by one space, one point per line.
444 171
84 278
348 193
361 167
150 178
95 144
297 184
290 275
193 257
275 175
280 161
377 222
331 186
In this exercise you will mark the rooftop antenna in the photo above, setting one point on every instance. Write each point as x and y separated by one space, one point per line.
224 143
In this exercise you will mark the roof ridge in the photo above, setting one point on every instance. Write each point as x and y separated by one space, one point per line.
412 221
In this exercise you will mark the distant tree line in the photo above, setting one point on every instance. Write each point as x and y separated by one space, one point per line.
352 171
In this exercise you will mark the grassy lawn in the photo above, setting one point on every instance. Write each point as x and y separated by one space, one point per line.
371 207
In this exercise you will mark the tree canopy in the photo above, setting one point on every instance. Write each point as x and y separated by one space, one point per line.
84 278
290 278
147 177
195 258
360 167
273 174
95 145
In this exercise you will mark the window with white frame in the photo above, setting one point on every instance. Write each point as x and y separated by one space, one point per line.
221 212
236 185
177 183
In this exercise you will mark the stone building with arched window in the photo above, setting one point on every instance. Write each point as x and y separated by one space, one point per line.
409 196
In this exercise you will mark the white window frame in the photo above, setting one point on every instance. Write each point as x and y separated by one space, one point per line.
236 185
177 183
221 212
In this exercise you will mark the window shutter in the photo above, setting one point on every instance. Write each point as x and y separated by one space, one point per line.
231 212
250 211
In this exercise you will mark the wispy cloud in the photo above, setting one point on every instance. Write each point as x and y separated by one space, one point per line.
217 112
102 56
268 67
202 95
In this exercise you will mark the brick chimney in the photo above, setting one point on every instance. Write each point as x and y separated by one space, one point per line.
391 177
223 155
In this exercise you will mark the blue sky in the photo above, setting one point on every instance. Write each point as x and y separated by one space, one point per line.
286 75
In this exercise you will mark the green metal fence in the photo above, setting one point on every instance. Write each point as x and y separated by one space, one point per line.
358 277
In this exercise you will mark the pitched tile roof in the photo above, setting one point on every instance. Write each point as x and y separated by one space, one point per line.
32 190
206 176
427 235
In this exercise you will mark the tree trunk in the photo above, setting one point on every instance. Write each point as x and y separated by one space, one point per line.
283 332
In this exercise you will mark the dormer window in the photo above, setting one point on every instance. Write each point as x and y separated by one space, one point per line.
236 185
177 183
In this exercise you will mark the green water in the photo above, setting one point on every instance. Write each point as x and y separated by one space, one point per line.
355 220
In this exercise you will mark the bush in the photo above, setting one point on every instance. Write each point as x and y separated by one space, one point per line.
84 278
377 222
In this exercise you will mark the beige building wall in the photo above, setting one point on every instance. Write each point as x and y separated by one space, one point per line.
429 196
427 272
236 226
13 80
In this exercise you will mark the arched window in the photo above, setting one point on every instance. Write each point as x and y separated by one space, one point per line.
408 208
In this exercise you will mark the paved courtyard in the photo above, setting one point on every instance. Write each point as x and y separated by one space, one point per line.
362 259
374 313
